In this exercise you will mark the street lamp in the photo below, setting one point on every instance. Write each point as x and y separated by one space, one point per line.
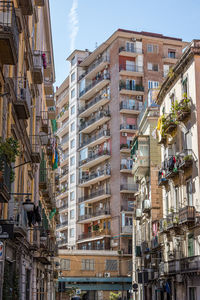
28 205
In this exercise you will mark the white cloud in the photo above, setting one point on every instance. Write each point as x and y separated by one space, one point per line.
73 22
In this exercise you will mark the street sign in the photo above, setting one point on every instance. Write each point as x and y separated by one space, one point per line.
78 291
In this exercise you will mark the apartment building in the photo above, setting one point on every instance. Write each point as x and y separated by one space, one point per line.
178 132
107 89
27 202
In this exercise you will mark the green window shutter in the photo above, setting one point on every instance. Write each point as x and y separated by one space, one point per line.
190 245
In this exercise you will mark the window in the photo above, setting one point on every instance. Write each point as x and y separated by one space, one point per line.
72 196
152 48
130 47
152 67
73 77
71 232
189 192
72 160
72 178
72 143
176 202
87 265
171 53
65 264
192 293
152 84
73 61
130 84
190 245
72 214
111 265
72 93
185 86
82 209
84 154
72 126
72 109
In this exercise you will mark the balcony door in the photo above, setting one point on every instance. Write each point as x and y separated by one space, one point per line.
130 65
189 192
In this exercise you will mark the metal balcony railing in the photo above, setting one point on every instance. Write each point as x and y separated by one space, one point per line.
23 96
65 206
94 83
64 125
127 229
88 177
187 214
99 116
94 156
94 65
9 31
37 59
131 68
128 106
94 214
129 187
63 241
92 102
20 219
131 50
137 87
126 165
5 181
95 194
64 223
128 126
91 139
93 234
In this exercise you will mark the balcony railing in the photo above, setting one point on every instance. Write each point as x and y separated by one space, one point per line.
88 177
94 138
129 187
37 67
96 233
128 127
94 156
128 106
94 83
99 116
131 50
63 242
35 148
9 35
65 206
187 214
5 179
94 214
63 224
95 194
20 220
63 127
131 68
127 229
172 220
137 87
23 97
126 166
93 102
26 7
94 65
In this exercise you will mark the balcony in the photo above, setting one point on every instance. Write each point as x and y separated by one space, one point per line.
94 159
20 220
50 100
94 68
22 103
130 90
129 52
94 177
98 195
89 126
35 149
39 2
170 59
126 167
26 7
130 70
186 159
184 109
146 206
97 139
93 105
52 113
9 35
170 124
5 180
101 214
125 148
128 188
163 225
63 242
44 122
190 264
94 87
162 181
63 208
127 108
62 226
128 229
187 215
173 221
37 71
141 165
48 86
128 128
93 235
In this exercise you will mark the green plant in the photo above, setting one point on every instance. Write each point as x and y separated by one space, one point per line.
9 148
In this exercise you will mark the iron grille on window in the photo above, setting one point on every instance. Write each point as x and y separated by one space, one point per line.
111 265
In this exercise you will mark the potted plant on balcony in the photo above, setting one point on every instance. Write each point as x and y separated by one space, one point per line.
9 149
184 108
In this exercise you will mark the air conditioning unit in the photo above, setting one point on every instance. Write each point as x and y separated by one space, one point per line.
124 134
106 275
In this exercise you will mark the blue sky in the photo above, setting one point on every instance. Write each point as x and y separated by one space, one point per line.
96 20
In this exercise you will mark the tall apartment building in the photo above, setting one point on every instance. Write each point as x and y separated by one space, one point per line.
179 134
107 89
27 202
